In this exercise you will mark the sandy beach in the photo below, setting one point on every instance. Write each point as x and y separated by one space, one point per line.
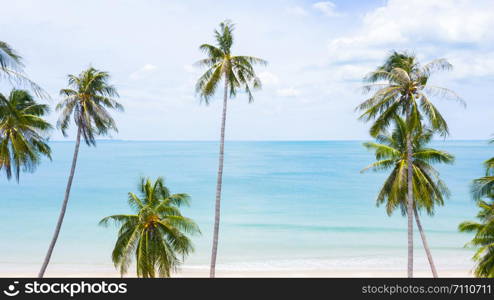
191 272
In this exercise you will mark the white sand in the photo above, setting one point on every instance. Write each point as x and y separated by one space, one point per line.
108 271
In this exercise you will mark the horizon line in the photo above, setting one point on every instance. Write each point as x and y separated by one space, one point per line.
294 140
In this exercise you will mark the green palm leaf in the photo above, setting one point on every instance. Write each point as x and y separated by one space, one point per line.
390 152
483 239
157 235
87 101
23 133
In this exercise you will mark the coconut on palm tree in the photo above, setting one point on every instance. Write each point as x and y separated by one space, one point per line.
11 68
429 190
86 101
235 73
23 133
401 87
156 234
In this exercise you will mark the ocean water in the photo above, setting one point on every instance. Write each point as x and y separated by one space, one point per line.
285 206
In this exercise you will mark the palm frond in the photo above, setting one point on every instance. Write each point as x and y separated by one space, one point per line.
236 72
157 235
23 133
390 151
87 101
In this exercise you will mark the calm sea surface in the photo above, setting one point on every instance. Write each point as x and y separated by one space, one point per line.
286 205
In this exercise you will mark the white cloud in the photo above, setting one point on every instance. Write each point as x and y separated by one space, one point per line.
268 78
288 92
190 69
326 7
148 67
431 28
139 74
320 59
466 64
434 20
296 11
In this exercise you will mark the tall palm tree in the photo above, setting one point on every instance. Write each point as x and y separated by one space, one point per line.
429 190
23 133
236 72
87 101
11 67
483 239
401 87
156 234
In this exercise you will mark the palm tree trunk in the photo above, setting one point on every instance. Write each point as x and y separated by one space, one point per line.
426 245
64 206
219 182
409 197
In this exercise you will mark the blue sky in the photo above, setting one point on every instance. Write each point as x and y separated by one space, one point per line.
318 52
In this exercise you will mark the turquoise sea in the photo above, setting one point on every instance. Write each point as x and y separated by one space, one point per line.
286 205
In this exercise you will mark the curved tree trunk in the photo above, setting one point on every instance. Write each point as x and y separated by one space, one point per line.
64 206
409 196
214 251
426 245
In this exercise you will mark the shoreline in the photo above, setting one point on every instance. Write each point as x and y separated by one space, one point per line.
204 272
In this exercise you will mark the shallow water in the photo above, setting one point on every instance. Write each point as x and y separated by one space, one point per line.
286 205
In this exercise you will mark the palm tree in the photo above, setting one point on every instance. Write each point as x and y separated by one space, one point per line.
236 72
483 239
156 234
401 87
11 67
482 188
87 100
429 190
23 133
